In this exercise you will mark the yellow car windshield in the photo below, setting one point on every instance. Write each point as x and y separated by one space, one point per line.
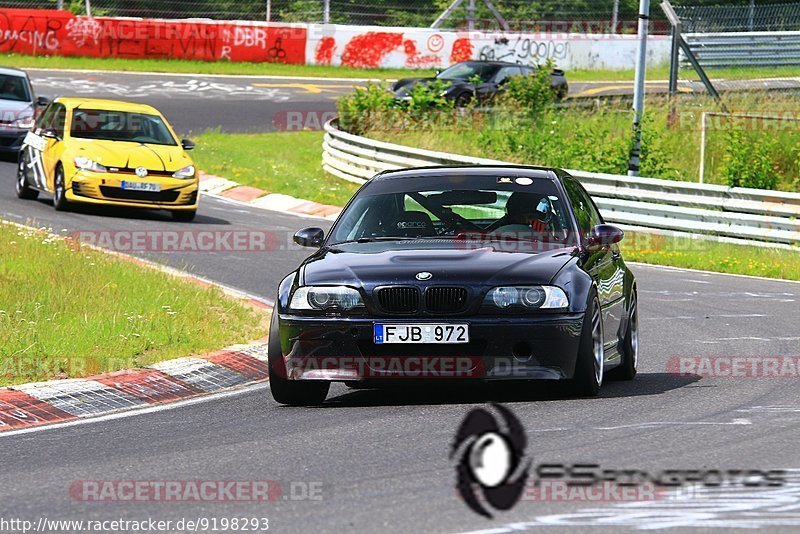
120 126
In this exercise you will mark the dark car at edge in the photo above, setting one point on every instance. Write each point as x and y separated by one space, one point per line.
18 107
471 274
479 81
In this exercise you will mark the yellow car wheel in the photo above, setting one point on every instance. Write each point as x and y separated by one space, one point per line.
24 191
60 202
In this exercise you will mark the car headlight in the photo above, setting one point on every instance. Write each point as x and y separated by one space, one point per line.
25 123
528 297
186 172
85 164
326 298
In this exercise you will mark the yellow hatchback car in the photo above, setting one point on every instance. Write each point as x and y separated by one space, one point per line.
108 152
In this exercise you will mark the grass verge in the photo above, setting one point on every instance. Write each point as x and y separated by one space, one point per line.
68 313
180 66
282 162
714 256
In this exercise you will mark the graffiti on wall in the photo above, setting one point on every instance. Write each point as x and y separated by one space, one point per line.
524 50
61 33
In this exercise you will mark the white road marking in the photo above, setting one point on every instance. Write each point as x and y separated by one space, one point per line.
690 507
721 316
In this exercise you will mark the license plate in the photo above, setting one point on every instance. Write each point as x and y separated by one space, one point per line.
421 333
141 186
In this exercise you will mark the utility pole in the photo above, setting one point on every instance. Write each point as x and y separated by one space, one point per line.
615 17
638 94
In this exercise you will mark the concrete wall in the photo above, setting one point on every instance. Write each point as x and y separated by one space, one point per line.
51 32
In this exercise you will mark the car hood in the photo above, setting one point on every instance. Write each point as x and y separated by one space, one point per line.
372 264
129 155
11 110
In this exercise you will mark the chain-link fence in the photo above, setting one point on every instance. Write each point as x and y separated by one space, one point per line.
753 17
570 16
740 124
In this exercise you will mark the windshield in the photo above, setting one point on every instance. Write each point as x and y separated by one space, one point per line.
467 71
534 212
14 88
120 126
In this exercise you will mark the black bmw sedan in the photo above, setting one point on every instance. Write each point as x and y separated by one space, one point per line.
479 81
457 273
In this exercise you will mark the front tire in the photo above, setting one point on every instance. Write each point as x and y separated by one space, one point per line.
630 345
60 202
24 191
589 366
285 391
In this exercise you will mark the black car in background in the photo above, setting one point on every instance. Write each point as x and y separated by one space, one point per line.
492 75
482 274
18 106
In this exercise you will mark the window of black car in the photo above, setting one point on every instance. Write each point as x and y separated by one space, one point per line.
531 212
505 73
585 211
14 88
467 71
120 126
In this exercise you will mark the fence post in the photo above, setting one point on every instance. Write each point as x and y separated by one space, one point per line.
615 17
638 96
88 8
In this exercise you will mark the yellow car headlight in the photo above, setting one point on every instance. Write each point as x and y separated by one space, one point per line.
186 172
85 164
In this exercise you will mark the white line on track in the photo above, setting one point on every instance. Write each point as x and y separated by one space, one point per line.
200 75
712 273
141 411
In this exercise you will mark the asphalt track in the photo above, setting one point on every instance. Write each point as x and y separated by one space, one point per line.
195 103
381 457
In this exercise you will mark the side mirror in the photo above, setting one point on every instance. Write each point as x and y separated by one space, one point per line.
187 144
50 134
603 235
439 71
310 237
42 101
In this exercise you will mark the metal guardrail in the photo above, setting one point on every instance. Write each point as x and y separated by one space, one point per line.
745 49
761 217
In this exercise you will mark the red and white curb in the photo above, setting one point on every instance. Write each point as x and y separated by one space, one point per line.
58 401
220 187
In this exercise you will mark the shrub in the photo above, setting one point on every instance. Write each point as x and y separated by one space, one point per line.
748 164
530 94
366 108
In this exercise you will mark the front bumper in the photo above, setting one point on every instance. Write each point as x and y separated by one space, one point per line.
11 140
106 188
500 348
